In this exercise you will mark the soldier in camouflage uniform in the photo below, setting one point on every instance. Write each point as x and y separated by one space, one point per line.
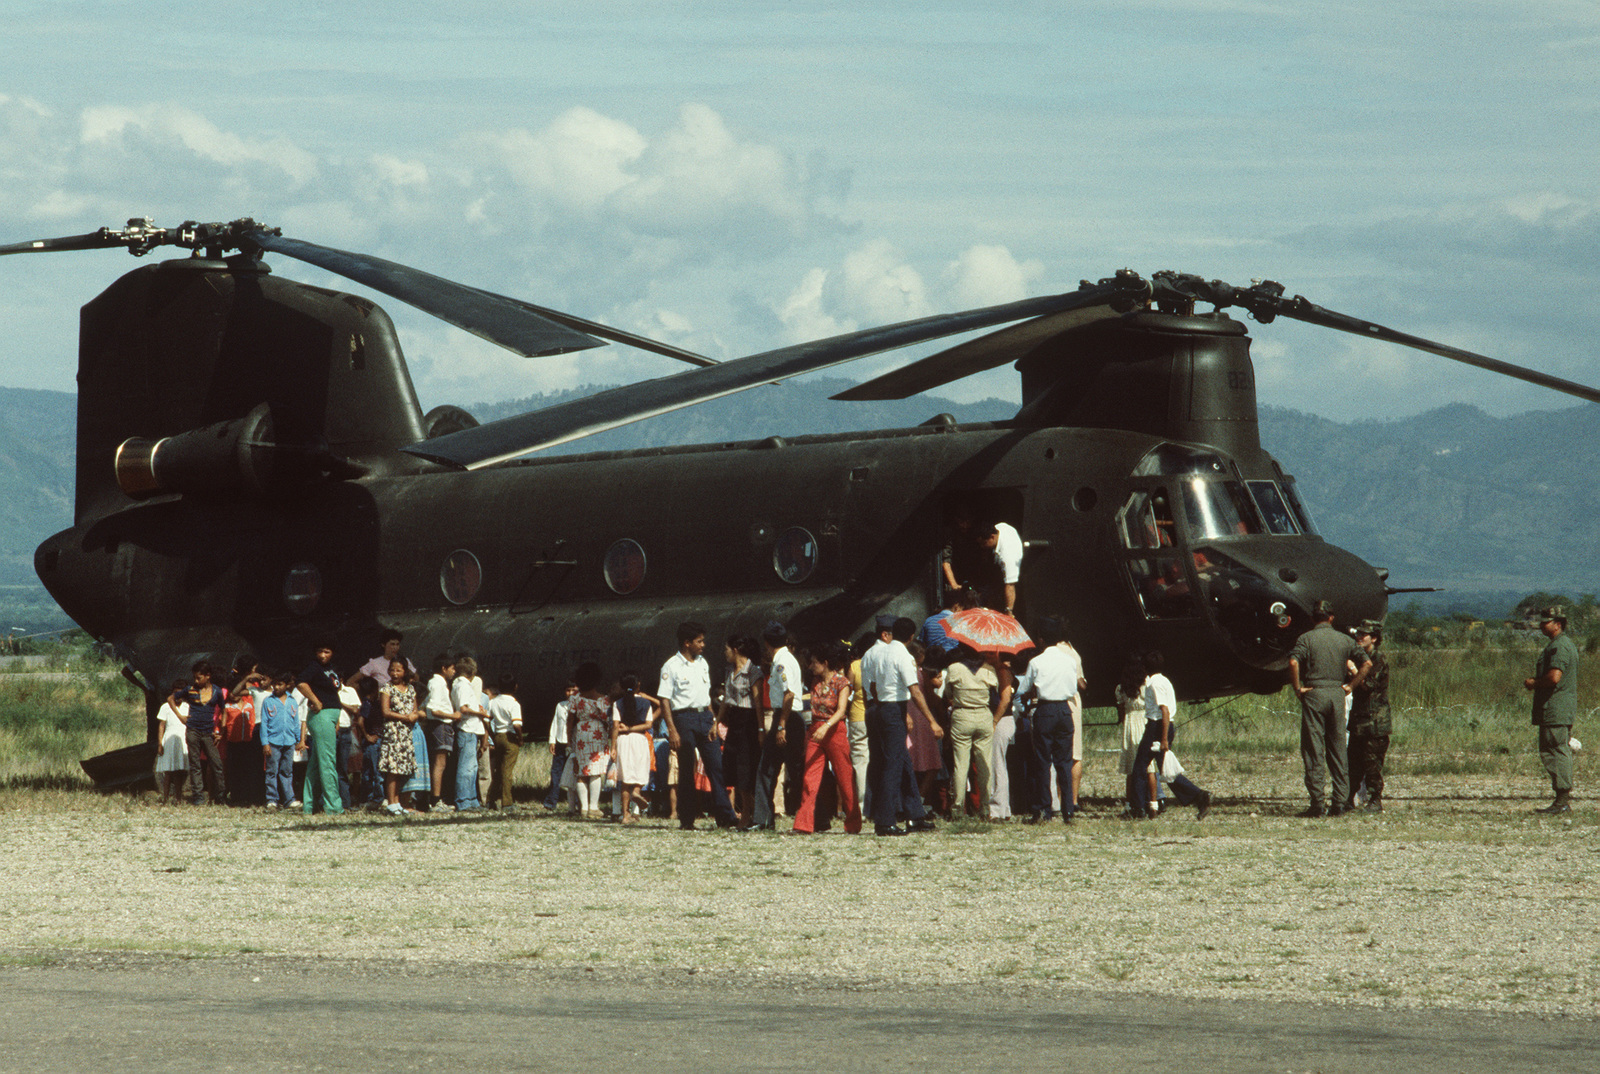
1369 719
1555 706
1318 671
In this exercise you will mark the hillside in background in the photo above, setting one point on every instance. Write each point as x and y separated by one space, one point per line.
1489 509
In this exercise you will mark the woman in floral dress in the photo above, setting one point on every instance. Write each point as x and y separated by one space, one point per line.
589 732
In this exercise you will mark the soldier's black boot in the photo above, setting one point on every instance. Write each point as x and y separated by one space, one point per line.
1562 804
1375 804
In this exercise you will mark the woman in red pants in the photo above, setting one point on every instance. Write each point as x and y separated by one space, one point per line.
828 740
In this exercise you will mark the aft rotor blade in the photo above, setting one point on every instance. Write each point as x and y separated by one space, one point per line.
507 322
975 356
1301 310
617 335
506 439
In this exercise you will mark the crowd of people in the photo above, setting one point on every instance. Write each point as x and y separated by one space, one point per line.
907 724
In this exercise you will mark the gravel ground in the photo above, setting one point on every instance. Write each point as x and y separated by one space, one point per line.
1457 897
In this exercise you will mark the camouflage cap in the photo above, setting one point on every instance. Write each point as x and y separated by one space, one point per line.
1370 626
1324 609
1556 615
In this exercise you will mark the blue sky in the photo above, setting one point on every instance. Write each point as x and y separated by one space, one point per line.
732 177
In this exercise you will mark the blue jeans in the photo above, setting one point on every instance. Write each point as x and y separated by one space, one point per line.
695 734
1052 749
370 774
280 775
558 765
467 770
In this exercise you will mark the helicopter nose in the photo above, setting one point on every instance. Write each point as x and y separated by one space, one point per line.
1261 592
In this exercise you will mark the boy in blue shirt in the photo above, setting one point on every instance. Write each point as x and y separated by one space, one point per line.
280 734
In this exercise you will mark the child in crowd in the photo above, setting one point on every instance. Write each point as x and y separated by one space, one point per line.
558 747
505 729
466 696
397 758
632 717
590 734
439 713
280 734
172 758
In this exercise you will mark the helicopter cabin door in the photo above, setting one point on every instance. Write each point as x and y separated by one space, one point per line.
965 512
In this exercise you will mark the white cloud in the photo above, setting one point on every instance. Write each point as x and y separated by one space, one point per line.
150 128
576 161
987 275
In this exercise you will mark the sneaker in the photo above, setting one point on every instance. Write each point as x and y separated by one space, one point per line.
296 804
394 809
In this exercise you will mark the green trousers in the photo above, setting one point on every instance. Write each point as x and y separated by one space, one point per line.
1555 750
322 768
1322 746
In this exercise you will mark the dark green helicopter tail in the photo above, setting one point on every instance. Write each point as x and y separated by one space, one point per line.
247 383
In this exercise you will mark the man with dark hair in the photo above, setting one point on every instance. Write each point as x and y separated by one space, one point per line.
1369 720
932 635
1318 671
1054 676
378 667
784 740
439 727
1005 543
685 693
1160 706
889 679
1555 706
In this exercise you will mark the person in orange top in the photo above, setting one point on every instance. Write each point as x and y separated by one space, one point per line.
827 740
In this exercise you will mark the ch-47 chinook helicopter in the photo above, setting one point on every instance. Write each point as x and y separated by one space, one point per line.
254 471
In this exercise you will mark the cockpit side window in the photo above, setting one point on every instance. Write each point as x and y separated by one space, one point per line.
1274 509
1145 521
1292 495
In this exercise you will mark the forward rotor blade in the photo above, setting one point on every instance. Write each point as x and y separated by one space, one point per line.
975 356
507 322
1301 310
506 439
1266 300
95 240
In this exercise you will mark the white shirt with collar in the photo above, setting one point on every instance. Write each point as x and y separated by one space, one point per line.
1054 673
1158 691
888 672
785 678
558 724
438 699
1008 552
685 683
467 695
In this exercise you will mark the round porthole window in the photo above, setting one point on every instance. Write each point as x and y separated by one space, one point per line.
624 566
461 576
302 589
794 556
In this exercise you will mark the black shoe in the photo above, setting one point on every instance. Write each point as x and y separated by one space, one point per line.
1202 806
893 829
1562 804
1313 811
1034 819
1067 818
1338 810
922 824
686 828
1375 806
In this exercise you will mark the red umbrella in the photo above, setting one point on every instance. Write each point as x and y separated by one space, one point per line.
987 631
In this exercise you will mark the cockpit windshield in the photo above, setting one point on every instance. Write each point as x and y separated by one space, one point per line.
1218 509
1170 459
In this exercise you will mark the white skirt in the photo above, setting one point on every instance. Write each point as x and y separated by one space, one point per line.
633 759
174 756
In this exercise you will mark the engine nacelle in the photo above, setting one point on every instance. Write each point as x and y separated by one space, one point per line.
228 456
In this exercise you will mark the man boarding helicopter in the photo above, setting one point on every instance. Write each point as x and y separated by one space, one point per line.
254 469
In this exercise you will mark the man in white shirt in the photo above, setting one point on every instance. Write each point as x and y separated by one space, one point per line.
785 688
889 680
1005 542
1054 677
1160 705
685 693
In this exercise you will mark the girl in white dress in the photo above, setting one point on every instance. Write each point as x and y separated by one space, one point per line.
631 719
172 757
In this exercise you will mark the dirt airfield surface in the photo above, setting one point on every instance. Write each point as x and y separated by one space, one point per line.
1458 897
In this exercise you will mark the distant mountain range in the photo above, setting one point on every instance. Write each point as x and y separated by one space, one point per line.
1488 508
